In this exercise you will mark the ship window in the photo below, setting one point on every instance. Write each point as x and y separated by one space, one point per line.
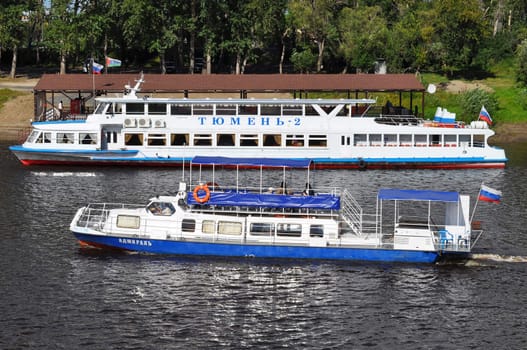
375 139
261 229
289 230
135 108
316 231
100 108
156 139
226 110
65 137
270 110
128 221
405 140
321 140
360 140
202 109
464 140
188 225
161 208
435 140
133 139
225 139
180 110
88 138
420 140
249 140
34 136
230 228
479 141
179 139
292 110
294 140
203 140
390 140
450 141
157 108
311 111
248 110
207 226
272 140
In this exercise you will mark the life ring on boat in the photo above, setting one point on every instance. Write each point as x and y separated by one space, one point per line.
196 196
362 164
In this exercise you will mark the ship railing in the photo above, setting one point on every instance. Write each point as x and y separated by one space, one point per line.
94 215
351 212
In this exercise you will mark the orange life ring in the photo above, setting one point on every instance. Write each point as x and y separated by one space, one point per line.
199 199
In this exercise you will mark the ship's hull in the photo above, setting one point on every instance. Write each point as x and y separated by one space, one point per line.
255 251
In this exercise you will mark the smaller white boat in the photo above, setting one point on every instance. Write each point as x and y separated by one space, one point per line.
407 226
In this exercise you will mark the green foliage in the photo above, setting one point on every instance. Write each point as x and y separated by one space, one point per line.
303 60
521 58
7 94
471 102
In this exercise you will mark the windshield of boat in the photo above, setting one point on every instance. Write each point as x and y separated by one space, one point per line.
161 208
101 107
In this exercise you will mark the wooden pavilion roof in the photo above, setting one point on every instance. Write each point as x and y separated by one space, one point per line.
231 82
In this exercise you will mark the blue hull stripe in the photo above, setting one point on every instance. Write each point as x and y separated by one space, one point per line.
259 251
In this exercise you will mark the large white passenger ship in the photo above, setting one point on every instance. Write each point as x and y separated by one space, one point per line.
334 133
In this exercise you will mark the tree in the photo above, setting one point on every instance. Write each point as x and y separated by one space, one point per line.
14 18
521 59
363 36
314 20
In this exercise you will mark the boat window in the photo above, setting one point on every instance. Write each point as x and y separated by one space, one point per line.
188 225
464 140
88 138
248 110
135 108
294 140
310 110
157 108
316 231
289 230
111 136
161 208
360 140
156 140
202 109
405 139
180 110
179 139
100 108
420 140
65 137
225 109
128 221
261 229
34 136
435 140
207 226
248 140
375 139
225 139
133 139
270 110
390 140
450 140
320 140
479 141
272 140
203 140
292 110
230 228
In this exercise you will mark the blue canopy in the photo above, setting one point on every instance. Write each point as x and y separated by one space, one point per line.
417 195
256 162
257 200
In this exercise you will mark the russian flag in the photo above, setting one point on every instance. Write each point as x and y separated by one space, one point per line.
484 115
97 68
488 194
112 62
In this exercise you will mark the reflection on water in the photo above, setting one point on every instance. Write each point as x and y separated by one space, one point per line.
57 295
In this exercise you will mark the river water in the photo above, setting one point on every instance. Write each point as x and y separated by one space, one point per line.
56 295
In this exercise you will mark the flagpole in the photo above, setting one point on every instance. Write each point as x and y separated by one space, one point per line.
475 205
